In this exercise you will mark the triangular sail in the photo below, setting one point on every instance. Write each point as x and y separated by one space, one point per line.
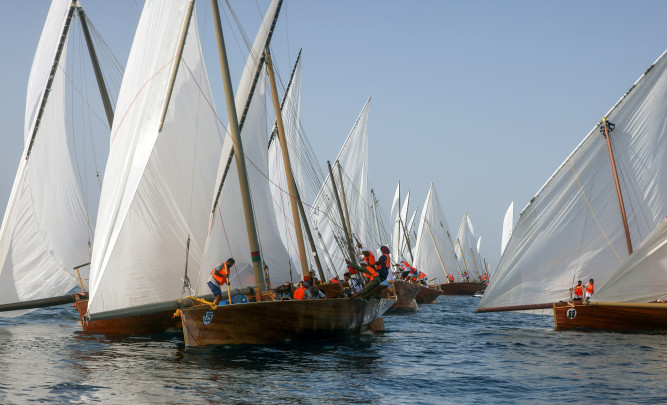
157 189
508 222
643 277
353 161
228 235
291 111
434 247
44 231
572 229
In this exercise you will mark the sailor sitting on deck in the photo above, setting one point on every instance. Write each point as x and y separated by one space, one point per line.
450 278
220 276
589 290
577 292
284 292
312 292
353 285
376 278
300 293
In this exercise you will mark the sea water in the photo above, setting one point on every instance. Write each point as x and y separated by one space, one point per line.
440 354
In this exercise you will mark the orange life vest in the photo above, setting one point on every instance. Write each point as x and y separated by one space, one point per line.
405 266
579 290
372 271
451 278
386 263
334 280
225 273
422 275
300 293
370 258
589 288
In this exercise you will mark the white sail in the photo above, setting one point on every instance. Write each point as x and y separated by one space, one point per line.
228 235
434 247
44 231
643 277
400 246
291 111
465 247
508 222
394 217
353 160
572 229
157 188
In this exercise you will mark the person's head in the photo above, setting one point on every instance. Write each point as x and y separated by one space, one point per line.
591 281
346 276
579 282
230 262
384 250
306 284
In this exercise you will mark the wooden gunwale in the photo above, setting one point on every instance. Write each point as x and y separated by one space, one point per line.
462 288
611 316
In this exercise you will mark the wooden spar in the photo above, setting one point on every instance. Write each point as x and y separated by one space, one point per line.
83 290
177 61
407 238
436 246
238 151
462 255
108 108
40 303
353 258
342 191
52 75
246 107
375 215
618 186
309 234
291 184
516 308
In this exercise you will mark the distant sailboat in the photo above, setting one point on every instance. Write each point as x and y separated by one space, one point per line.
508 222
609 195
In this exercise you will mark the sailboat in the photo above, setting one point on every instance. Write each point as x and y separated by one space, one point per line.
607 198
434 248
464 249
267 320
508 223
45 234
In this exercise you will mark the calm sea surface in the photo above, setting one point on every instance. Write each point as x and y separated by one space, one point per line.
443 353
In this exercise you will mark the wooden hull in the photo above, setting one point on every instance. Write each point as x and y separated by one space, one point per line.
134 325
462 288
611 316
405 295
276 321
427 295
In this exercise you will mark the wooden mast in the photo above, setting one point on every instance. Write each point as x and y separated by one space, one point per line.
108 109
238 151
606 125
342 216
291 184
375 215
342 191
177 61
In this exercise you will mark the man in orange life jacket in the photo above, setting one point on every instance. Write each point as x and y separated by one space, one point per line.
372 274
450 278
577 292
220 276
485 277
589 290
300 293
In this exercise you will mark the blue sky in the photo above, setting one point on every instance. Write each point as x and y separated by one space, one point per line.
483 98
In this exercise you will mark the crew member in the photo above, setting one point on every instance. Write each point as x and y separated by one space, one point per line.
375 276
300 293
219 276
450 278
383 263
577 292
589 290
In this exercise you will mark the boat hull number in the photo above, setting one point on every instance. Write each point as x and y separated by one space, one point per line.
208 317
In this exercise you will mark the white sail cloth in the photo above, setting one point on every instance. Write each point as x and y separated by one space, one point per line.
291 112
508 222
228 236
572 229
353 160
643 277
466 248
434 247
158 183
44 231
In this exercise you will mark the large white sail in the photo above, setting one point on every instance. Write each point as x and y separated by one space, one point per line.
508 222
228 235
572 229
394 217
44 231
157 188
434 247
353 160
643 277
399 243
466 247
291 111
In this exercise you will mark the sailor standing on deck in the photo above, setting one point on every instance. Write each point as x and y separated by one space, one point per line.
578 291
220 276
589 290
